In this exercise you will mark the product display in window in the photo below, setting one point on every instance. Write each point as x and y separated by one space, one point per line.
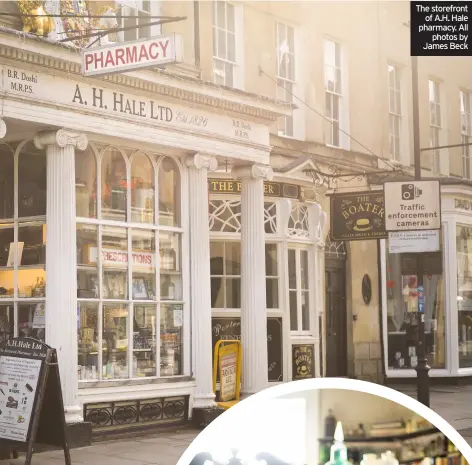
87 333
464 294
144 341
115 342
86 184
144 265
6 322
32 320
171 339
402 307
142 189
169 193
114 185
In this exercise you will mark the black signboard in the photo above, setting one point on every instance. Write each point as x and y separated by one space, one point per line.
358 216
230 328
31 405
303 361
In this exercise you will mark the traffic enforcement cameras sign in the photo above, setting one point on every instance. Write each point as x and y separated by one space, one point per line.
412 206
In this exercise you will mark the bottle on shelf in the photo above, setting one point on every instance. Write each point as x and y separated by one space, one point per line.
330 424
338 453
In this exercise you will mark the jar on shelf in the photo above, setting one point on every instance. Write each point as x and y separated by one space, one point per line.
370 459
388 458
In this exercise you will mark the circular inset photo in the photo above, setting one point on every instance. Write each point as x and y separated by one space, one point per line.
328 421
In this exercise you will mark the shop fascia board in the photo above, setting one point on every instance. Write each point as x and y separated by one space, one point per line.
46 113
54 56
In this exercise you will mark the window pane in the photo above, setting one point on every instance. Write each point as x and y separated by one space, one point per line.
292 269
229 75
231 47
87 334
271 260
272 293
142 189
32 320
144 32
230 21
6 322
31 181
293 311
330 78
170 276
220 14
6 182
115 341
144 341
144 265
171 340
217 258
305 311
222 44
233 292
233 258
464 294
114 185
115 263
169 193
6 260
330 53
86 184
304 269
87 262
217 293
402 305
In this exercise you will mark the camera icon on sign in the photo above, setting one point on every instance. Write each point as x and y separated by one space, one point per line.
410 192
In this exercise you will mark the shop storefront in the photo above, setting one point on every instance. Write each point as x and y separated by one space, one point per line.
103 226
447 288
293 227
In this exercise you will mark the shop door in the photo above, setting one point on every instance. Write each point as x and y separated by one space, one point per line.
335 304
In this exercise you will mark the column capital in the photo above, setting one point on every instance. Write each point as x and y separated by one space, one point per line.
3 129
61 138
200 161
255 171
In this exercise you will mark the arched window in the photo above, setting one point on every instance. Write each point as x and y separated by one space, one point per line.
114 185
169 193
86 183
142 189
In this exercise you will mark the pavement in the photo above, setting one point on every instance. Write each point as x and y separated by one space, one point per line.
452 403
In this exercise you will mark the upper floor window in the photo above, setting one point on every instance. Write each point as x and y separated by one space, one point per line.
140 10
466 132
285 54
435 123
224 43
395 111
333 90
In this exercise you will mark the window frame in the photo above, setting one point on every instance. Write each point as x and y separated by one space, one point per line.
286 85
216 28
435 123
335 97
130 303
136 8
395 114
466 132
16 222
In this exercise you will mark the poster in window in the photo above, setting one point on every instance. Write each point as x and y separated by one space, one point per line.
303 366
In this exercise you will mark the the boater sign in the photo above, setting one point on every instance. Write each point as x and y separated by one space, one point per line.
132 55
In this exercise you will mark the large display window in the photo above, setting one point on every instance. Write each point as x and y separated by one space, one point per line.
22 240
401 284
129 265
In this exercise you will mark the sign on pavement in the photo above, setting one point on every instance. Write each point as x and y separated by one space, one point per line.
412 206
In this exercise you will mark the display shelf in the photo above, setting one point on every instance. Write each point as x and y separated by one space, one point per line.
380 439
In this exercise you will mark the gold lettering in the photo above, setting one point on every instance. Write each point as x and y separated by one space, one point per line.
368 206
271 189
360 208
352 210
375 209
214 185
381 212
230 187
239 187
345 214
222 185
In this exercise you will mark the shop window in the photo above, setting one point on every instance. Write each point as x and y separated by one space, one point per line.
22 242
402 305
270 218
225 270
31 182
138 15
299 294
272 276
86 184
298 221
169 193
6 181
171 340
464 294
114 185
124 289
142 189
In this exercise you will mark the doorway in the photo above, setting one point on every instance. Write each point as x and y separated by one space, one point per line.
335 305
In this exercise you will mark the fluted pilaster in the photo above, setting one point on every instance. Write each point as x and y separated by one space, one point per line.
253 276
61 282
199 165
3 129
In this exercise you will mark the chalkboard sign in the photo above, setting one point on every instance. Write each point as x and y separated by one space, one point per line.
31 405
230 328
303 365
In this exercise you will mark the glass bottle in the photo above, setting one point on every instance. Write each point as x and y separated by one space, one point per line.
330 424
338 455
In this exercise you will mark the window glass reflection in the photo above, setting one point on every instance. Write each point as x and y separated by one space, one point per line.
171 340
142 189
6 322
32 320
87 333
114 185
86 184
169 193
6 182
31 181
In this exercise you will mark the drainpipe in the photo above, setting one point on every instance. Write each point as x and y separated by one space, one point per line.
196 39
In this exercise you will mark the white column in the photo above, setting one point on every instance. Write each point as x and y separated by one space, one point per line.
253 276
314 217
323 230
61 263
200 292
3 129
